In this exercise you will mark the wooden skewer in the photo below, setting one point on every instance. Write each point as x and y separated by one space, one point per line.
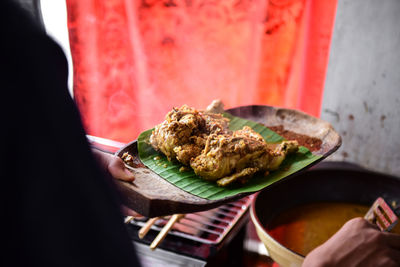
146 228
128 219
163 233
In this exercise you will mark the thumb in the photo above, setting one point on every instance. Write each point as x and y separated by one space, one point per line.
118 170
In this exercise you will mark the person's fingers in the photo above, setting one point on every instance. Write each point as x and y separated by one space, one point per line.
361 223
371 225
118 170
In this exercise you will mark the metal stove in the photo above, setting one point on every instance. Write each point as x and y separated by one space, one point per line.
198 239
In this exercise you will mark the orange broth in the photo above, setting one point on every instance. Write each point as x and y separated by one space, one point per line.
305 227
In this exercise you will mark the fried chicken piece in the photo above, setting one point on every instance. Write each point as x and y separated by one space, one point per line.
215 123
280 152
247 132
226 153
231 153
238 156
204 141
179 126
187 152
182 134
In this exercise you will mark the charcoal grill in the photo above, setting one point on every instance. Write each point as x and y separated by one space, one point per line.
196 240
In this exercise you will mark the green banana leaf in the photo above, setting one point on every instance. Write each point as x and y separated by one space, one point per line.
192 183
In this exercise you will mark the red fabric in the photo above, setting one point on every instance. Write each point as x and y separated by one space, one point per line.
135 60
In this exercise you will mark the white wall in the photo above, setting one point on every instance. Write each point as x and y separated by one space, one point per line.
362 90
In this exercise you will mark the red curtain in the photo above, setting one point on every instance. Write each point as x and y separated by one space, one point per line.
135 60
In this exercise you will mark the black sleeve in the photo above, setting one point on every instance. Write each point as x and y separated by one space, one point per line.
59 208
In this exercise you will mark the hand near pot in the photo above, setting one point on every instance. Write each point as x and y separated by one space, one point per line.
358 243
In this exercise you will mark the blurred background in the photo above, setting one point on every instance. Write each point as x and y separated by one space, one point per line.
132 61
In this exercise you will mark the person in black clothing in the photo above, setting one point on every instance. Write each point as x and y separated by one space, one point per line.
60 207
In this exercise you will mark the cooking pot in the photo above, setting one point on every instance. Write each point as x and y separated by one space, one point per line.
326 182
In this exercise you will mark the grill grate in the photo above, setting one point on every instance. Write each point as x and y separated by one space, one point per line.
208 227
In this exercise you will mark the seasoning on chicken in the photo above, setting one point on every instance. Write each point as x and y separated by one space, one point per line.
183 134
203 141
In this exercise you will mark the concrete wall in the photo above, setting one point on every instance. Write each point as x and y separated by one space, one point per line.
362 90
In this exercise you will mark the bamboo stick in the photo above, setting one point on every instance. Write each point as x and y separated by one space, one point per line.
128 219
163 233
146 228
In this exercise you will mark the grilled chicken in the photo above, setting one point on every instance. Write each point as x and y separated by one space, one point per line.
204 141
176 133
230 153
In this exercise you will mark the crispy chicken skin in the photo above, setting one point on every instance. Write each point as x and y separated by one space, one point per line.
179 125
203 140
183 133
226 153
